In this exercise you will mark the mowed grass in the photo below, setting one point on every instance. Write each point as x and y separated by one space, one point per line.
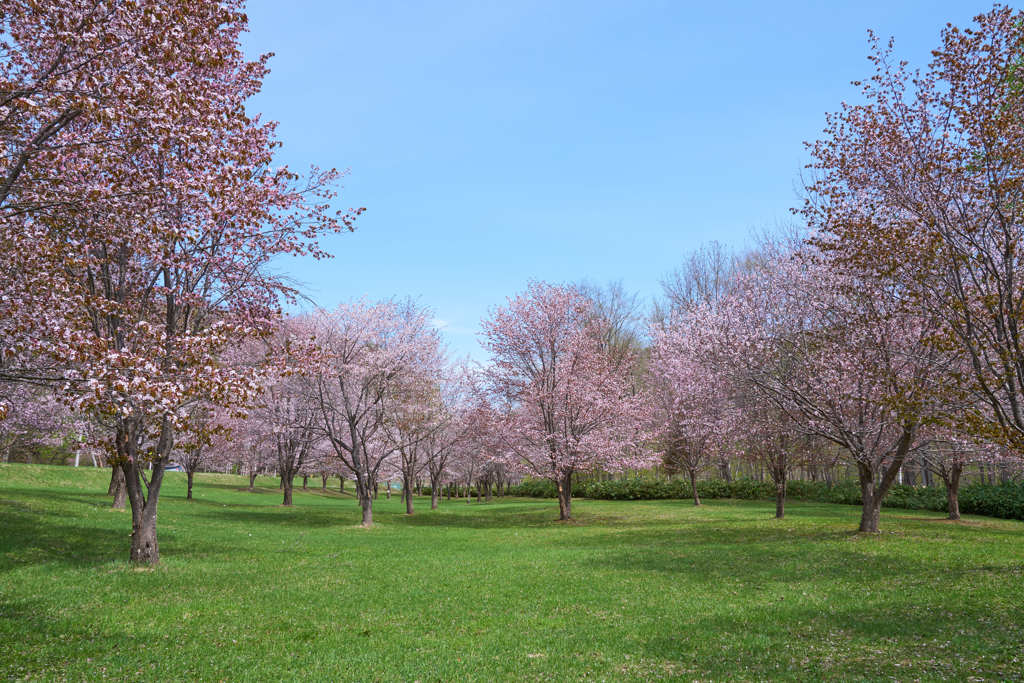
249 590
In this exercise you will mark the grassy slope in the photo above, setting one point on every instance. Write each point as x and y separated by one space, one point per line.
248 590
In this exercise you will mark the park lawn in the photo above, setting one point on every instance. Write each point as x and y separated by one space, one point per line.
249 590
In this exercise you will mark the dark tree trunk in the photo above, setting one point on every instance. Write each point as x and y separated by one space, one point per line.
780 498
487 491
189 475
565 497
144 547
114 472
120 489
305 482
407 488
341 486
286 483
779 471
252 480
875 484
952 481
693 486
324 486
871 501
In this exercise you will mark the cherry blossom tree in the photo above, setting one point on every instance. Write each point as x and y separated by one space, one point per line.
839 355
922 184
691 416
145 222
358 355
562 403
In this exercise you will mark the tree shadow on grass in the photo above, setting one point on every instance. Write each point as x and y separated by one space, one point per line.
908 637
35 536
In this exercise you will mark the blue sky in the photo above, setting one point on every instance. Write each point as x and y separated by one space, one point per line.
497 142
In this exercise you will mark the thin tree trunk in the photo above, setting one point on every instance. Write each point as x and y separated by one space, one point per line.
693 486
952 481
780 497
305 482
189 475
252 480
324 478
407 487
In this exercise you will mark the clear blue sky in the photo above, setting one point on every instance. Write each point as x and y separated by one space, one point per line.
495 142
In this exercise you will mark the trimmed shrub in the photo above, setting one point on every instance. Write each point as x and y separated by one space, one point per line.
993 500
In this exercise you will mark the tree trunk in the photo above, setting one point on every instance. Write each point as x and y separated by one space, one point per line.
779 471
780 499
407 487
120 493
693 486
286 482
324 478
952 481
487 491
367 506
252 480
305 482
341 486
115 471
144 547
565 497
871 502
189 475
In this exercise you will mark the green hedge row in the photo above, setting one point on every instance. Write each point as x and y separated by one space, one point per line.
993 500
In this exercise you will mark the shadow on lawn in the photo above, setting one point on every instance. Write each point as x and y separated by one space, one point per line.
34 535
856 642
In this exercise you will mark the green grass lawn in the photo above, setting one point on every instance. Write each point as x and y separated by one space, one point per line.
249 590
